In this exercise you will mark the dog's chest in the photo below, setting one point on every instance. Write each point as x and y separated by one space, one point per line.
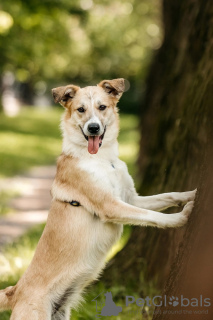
109 175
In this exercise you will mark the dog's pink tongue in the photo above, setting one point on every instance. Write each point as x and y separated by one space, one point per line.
93 144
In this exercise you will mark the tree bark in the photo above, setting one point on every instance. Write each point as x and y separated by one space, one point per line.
175 119
191 273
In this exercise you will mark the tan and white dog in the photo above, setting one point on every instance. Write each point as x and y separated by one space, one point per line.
93 196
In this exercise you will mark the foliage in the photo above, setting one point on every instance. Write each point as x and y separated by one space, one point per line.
58 41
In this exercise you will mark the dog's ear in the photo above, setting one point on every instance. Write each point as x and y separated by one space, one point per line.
114 87
63 94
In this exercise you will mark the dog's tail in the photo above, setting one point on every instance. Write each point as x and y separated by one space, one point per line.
6 297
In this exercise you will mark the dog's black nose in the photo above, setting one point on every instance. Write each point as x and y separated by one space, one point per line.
93 128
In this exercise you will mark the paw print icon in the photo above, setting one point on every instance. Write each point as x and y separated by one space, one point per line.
173 301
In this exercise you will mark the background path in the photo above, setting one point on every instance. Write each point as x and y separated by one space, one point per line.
31 206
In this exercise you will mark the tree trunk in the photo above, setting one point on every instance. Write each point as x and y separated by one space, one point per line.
190 279
174 126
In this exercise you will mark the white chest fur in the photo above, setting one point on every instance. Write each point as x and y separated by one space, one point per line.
111 175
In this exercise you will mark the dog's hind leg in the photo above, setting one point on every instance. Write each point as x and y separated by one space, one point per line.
32 316
24 311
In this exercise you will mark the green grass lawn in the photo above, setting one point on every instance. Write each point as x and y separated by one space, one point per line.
33 138
30 139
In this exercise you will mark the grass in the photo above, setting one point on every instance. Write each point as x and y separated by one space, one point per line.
30 139
33 138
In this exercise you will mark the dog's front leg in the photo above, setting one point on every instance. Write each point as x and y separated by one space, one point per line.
162 201
111 209
120 212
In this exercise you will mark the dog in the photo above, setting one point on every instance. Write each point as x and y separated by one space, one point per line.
93 196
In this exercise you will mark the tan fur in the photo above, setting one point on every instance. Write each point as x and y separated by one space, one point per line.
73 247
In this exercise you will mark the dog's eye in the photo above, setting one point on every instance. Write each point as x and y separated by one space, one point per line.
81 110
102 107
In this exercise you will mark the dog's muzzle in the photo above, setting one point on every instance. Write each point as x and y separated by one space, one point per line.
94 140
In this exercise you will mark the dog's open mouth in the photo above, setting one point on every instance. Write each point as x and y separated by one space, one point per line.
94 142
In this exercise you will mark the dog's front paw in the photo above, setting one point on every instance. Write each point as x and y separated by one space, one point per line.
182 217
175 220
187 197
191 195
188 209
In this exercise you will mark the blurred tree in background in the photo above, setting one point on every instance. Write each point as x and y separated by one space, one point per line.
46 43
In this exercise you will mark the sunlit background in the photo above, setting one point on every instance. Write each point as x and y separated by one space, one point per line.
46 43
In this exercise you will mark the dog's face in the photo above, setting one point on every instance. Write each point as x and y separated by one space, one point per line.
91 111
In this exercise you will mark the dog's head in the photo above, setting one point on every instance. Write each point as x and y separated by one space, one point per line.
91 112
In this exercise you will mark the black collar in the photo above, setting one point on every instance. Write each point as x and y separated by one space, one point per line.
74 203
